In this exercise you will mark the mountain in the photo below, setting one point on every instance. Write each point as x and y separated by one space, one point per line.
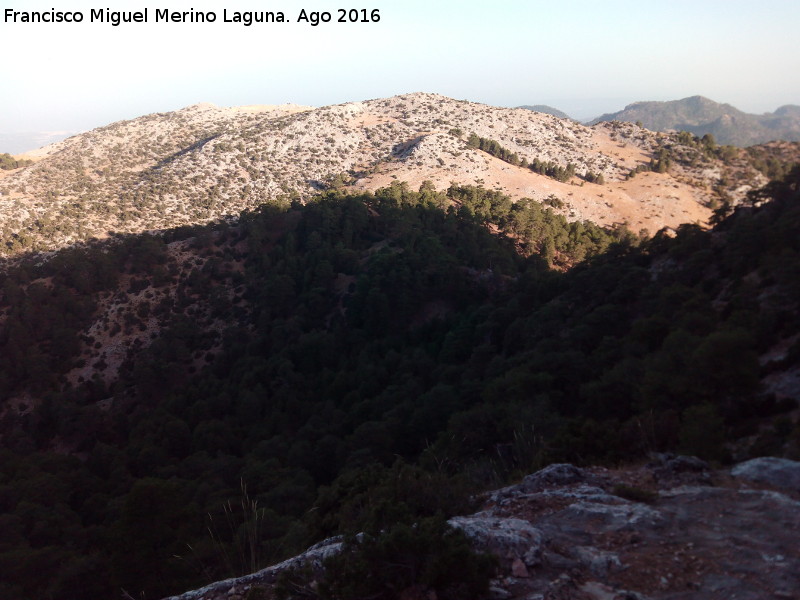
185 407
549 110
701 116
206 370
203 163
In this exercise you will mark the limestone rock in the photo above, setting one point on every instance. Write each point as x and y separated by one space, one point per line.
554 475
597 561
778 472
508 539
616 517
314 557
562 534
669 469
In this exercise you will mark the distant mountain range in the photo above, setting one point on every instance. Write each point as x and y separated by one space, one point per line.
548 110
700 116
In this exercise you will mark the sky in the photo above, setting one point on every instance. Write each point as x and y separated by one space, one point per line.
582 57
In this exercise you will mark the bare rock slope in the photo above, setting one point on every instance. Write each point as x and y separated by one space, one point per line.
672 529
204 163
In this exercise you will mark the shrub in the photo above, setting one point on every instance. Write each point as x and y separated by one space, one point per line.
427 556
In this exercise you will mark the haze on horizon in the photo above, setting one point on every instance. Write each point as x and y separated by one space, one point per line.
584 58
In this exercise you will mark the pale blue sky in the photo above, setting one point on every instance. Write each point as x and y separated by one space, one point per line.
582 57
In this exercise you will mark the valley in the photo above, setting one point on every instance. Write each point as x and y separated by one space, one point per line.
231 333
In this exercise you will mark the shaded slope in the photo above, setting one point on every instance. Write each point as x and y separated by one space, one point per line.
303 351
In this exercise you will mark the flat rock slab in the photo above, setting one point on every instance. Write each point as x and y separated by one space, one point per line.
708 539
565 533
778 472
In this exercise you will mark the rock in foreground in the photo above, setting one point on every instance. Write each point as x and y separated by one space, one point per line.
779 472
662 531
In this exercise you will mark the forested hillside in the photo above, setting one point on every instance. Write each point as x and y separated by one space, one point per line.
191 406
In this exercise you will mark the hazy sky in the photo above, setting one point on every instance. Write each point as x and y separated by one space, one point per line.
584 57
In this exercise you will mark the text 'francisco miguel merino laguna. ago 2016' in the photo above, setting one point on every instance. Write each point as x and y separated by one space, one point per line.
164 15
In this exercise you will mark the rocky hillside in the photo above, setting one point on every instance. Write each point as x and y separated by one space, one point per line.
204 163
673 528
700 116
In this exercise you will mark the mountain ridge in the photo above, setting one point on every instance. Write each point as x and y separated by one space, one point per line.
700 116
131 176
544 108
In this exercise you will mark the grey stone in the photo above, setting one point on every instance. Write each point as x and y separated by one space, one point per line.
587 493
498 593
679 463
672 470
506 538
552 476
557 561
504 494
314 556
599 562
618 517
575 541
778 472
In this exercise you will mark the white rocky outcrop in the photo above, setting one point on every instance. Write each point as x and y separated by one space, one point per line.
570 533
778 472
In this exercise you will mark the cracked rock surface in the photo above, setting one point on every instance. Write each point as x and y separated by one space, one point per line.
672 530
